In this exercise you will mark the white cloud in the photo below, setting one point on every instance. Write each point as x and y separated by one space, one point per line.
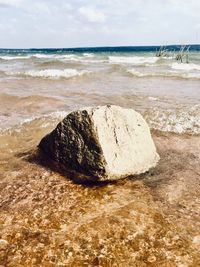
92 15
197 26
7 3
68 23
190 7
39 8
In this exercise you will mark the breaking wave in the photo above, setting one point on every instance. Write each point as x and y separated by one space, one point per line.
14 57
88 54
69 57
62 57
51 73
43 56
169 73
135 60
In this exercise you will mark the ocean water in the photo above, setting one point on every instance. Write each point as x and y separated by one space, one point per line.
42 82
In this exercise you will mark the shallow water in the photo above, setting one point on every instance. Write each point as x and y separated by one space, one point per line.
41 82
48 220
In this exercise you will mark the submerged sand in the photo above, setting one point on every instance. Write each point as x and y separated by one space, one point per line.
48 220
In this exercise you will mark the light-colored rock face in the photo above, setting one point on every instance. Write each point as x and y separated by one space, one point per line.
105 143
125 141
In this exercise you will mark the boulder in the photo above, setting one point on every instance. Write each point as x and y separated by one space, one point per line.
102 143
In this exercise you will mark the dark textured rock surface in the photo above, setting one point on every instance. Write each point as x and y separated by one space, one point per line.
75 145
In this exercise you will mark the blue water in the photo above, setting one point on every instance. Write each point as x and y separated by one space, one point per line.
118 49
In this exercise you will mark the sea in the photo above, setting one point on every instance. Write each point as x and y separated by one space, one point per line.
38 83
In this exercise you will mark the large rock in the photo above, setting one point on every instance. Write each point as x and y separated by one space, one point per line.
103 143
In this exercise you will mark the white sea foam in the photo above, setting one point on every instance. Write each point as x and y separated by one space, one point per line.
185 66
14 57
152 98
51 73
88 55
65 57
44 56
70 57
168 73
135 60
84 58
178 121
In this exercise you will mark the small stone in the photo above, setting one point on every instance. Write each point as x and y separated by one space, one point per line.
70 254
151 258
130 237
176 237
67 242
3 244
34 260
18 235
196 240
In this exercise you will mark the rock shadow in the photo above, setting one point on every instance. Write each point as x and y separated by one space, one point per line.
38 157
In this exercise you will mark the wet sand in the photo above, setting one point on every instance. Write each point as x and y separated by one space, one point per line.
149 220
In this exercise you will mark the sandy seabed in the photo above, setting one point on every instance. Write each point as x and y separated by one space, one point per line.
149 220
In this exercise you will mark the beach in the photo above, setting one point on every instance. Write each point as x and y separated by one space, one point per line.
46 219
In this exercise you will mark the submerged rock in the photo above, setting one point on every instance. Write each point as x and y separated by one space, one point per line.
103 143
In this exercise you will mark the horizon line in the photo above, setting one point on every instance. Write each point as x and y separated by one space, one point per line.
106 46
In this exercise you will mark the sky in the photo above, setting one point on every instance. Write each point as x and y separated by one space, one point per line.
88 23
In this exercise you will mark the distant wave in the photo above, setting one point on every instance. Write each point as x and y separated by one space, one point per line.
71 57
85 58
43 56
51 73
135 60
168 73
